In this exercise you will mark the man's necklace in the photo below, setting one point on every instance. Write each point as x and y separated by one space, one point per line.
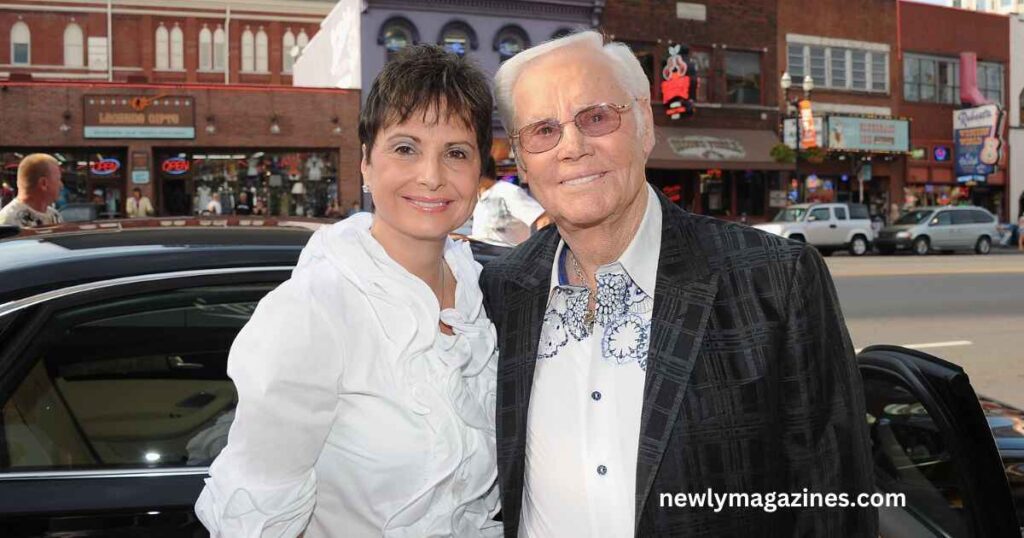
591 314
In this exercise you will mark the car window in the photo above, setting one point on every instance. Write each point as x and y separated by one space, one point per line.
981 217
792 214
137 381
944 218
820 213
911 456
840 212
961 217
915 217
859 212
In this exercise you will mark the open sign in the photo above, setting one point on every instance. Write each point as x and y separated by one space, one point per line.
175 166
105 167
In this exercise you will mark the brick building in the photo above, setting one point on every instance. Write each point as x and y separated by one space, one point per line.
933 39
181 101
717 161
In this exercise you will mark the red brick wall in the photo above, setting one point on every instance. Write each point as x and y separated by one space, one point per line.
731 24
134 44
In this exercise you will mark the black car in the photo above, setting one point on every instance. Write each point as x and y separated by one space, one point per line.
114 338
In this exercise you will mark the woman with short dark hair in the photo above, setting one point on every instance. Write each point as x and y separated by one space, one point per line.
366 382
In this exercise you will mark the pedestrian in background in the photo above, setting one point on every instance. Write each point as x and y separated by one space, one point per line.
138 205
214 207
505 214
243 207
39 185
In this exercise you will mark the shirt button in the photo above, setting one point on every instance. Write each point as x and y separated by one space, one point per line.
602 470
595 395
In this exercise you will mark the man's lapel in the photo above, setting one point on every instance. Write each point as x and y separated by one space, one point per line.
527 287
684 295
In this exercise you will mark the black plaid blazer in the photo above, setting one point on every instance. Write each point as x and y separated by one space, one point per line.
751 385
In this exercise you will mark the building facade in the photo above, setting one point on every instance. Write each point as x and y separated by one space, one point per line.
1015 104
717 161
180 101
933 40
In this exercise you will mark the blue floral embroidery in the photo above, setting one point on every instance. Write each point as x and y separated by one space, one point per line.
622 308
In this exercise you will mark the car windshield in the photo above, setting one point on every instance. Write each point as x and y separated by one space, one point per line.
792 214
915 217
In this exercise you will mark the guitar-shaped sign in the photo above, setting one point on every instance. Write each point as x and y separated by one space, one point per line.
142 103
990 150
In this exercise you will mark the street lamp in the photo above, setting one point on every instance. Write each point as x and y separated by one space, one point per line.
792 106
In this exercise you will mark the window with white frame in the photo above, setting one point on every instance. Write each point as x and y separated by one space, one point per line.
302 40
205 49
287 44
262 51
177 48
248 51
163 47
931 79
836 67
21 44
990 81
220 49
74 46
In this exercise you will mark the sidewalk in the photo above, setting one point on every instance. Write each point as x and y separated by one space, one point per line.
1006 262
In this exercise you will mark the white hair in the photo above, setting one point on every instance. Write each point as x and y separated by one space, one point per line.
624 64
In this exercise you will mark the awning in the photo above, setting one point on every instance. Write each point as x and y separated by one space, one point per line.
728 149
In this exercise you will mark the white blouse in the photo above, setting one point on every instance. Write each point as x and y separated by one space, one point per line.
356 415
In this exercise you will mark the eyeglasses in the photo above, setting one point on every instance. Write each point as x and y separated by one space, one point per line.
593 121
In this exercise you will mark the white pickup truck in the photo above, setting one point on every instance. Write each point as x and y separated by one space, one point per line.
828 227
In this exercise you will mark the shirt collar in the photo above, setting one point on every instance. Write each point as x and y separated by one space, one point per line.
639 260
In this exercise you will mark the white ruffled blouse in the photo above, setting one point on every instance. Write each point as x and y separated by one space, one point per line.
356 415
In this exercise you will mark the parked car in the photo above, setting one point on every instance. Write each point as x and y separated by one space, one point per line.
930 229
829 227
114 338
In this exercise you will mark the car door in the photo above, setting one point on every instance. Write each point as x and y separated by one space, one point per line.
820 226
940 230
115 400
964 229
932 444
840 234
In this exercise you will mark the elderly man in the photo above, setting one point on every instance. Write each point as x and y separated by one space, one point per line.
39 185
646 351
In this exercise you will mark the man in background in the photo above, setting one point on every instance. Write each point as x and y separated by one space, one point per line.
39 185
505 214
138 205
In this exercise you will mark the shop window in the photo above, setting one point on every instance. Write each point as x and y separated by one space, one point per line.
93 178
248 51
287 183
220 49
262 51
458 37
74 46
205 49
395 34
743 77
21 44
177 48
163 47
287 53
510 40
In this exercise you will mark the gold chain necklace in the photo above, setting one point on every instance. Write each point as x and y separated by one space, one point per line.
591 314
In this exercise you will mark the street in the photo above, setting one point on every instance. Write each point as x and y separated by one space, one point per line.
964 308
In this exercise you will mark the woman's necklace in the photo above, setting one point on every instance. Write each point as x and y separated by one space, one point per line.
591 314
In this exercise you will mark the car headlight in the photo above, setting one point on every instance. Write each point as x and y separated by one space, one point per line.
903 235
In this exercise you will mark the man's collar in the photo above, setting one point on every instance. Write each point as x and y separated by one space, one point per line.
639 260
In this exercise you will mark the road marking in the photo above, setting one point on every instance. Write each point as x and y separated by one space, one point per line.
930 345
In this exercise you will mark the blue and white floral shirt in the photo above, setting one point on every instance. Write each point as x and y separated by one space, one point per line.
583 429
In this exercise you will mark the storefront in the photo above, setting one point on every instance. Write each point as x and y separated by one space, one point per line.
857 160
285 182
293 150
728 173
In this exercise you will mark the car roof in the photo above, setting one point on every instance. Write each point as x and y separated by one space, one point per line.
42 259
